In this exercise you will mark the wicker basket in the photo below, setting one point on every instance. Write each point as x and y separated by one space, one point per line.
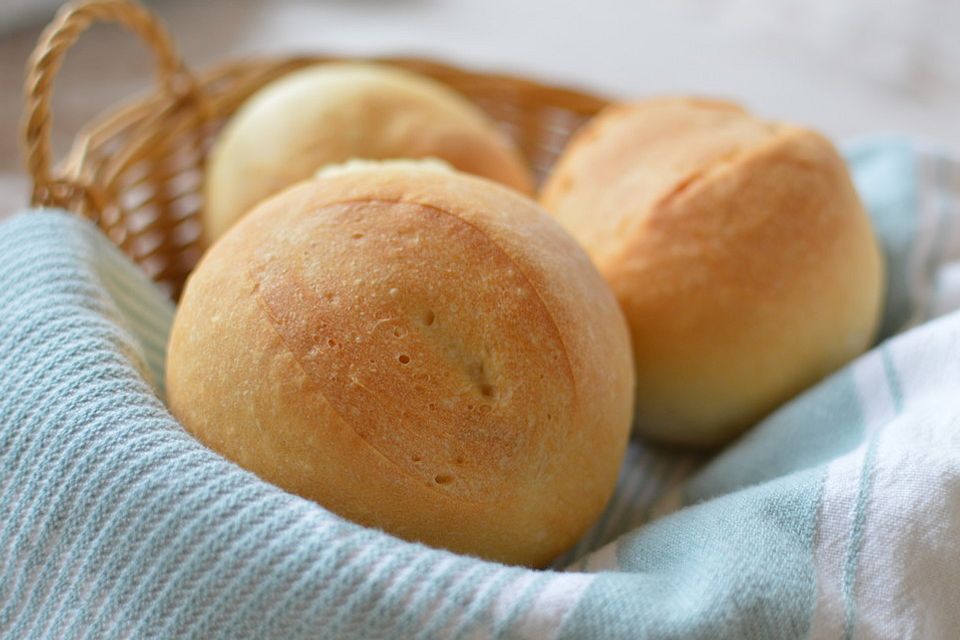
138 170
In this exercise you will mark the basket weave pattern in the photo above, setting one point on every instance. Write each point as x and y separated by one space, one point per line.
138 170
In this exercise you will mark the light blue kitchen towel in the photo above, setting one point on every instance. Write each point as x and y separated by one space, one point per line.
837 517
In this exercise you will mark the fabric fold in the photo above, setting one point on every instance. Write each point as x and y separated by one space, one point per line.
837 516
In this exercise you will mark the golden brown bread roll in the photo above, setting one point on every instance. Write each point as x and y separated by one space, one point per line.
418 350
737 248
330 113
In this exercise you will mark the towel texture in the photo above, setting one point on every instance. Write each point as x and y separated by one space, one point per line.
837 517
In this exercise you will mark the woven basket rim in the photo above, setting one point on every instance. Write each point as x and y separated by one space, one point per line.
540 116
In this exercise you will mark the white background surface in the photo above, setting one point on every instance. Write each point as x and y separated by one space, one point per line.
847 67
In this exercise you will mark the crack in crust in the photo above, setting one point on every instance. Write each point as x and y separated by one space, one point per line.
255 274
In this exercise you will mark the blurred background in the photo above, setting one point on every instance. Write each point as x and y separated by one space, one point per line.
846 67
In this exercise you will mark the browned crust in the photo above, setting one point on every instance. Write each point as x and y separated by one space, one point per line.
738 250
286 299
521 479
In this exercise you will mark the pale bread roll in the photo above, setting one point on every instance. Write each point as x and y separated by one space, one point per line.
737 248
417 350
331 113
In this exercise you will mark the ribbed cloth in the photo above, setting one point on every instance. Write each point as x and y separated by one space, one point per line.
837 517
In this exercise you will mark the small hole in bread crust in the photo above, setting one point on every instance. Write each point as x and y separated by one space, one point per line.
486 390
443 478
398 332
403 358
415 458
429 317
357 235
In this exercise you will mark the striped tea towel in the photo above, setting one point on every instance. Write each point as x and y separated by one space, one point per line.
837 517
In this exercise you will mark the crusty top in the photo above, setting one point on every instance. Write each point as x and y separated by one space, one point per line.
737 248
331 113
448 323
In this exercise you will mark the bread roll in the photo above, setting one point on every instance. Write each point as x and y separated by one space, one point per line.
737 248
417 350
330 113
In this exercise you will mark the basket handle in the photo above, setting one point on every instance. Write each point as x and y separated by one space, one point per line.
70 21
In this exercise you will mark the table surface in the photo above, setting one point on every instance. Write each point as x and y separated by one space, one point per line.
847 68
